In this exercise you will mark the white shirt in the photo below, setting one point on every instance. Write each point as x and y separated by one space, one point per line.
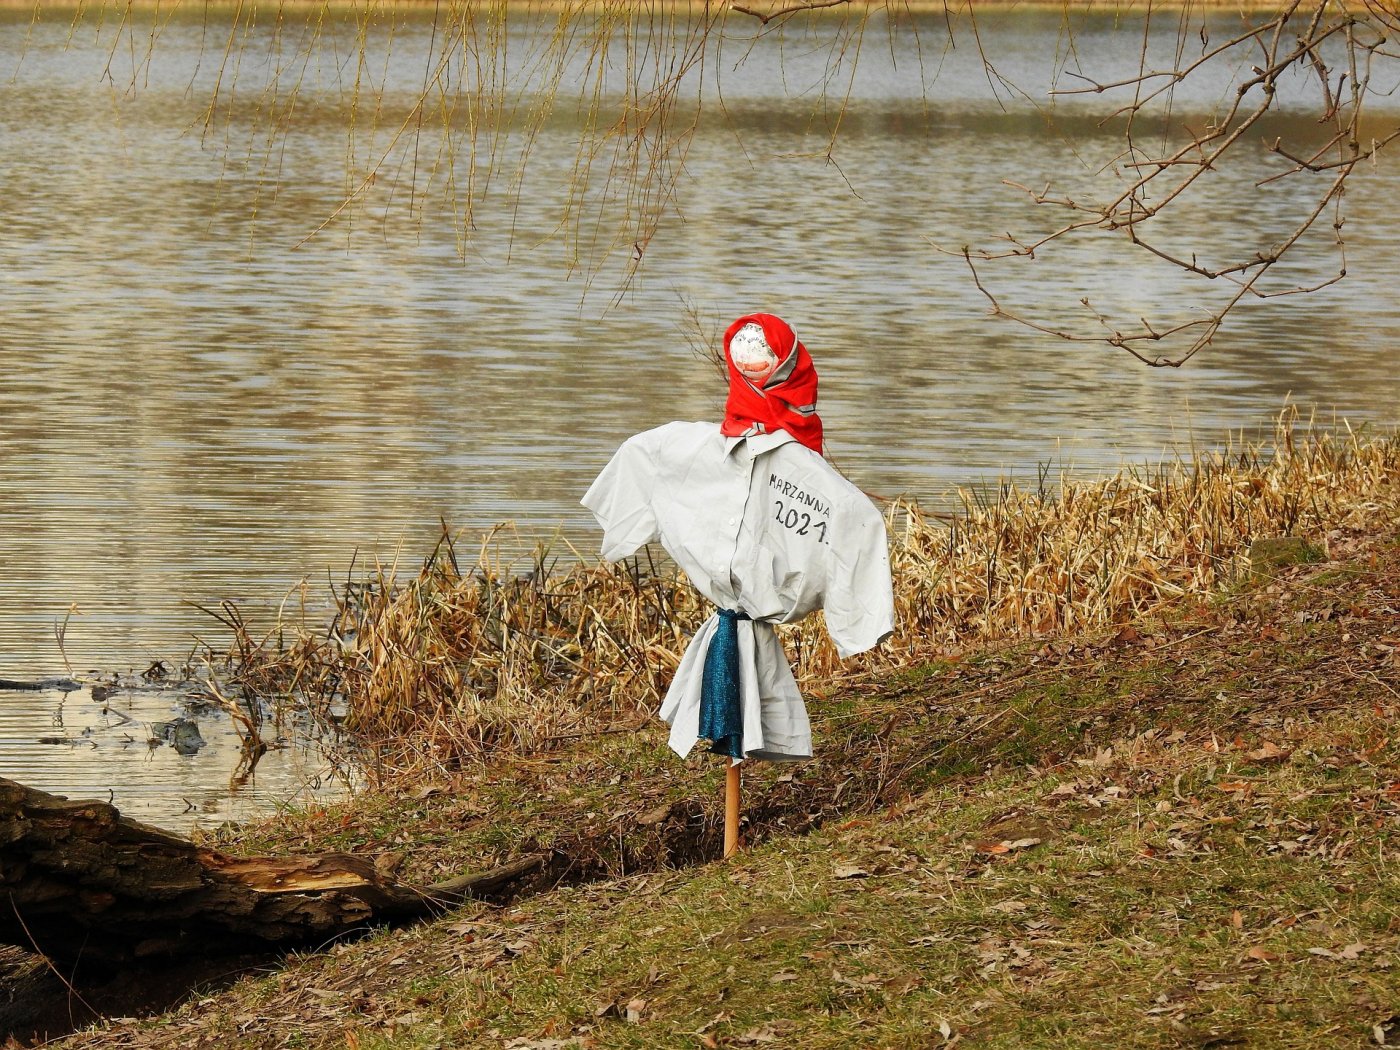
763 525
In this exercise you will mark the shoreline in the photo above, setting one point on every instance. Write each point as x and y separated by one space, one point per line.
467 657
1050 821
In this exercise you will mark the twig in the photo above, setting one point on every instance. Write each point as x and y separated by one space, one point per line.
791 9
49 962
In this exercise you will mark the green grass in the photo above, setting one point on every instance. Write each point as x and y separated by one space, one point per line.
1125 925
1190 838
1173 896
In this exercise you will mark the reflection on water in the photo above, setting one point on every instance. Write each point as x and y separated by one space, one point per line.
87 743
196 406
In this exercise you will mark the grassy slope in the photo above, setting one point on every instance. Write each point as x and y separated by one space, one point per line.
1186 833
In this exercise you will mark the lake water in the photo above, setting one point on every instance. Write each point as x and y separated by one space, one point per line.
198 403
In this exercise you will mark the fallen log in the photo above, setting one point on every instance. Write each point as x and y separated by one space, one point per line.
83 882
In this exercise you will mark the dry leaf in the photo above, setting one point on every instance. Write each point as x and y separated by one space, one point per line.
1007 845
1261 954
1350 953
781 976
1268 752
1010 907
849 871
1387 1033
766 1034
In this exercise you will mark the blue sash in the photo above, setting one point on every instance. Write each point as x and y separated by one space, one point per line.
721 716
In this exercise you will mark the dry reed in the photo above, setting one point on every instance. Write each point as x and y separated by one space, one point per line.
455 663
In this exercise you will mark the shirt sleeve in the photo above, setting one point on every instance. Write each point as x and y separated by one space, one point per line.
860 595
621 499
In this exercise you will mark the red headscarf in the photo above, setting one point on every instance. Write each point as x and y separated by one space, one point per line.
788 397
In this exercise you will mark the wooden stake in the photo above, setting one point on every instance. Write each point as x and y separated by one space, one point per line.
731 810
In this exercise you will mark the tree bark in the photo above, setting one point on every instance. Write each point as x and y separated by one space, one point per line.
82 882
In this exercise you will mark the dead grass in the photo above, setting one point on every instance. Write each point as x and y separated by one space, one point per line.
1186 835
465 659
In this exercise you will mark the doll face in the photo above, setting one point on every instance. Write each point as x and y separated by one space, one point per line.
752 355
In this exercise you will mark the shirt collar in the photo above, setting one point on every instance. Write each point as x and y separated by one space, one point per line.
758 443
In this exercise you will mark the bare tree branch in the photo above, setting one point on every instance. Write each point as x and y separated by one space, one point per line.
1328 39
791 9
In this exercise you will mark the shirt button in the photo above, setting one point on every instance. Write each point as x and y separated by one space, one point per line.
731 521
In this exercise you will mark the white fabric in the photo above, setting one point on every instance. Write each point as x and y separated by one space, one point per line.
760 524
